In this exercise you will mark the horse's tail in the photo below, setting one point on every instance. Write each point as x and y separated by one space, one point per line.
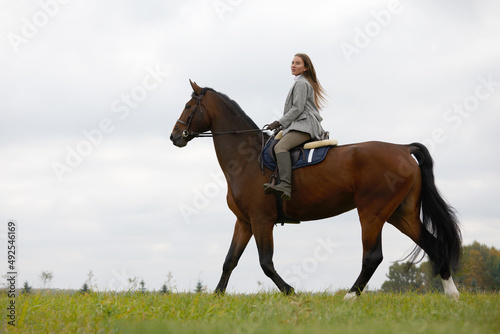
438 217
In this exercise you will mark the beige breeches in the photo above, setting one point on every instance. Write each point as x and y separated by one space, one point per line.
290 140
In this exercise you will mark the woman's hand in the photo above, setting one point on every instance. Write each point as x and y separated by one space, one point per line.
274 125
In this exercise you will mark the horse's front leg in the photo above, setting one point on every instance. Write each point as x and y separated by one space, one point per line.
241 236
264 237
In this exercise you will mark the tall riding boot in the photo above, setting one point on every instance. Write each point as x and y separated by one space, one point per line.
284 188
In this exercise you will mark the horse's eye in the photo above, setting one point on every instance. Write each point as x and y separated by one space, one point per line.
188 106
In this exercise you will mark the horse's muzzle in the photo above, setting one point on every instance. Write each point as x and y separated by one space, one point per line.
178 140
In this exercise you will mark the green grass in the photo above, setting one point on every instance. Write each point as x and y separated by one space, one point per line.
106 312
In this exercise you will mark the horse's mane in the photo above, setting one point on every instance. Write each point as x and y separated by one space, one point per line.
233 106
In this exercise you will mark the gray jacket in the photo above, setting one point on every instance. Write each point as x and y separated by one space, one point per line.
300 112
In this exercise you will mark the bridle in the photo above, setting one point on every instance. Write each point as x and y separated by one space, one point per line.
186 133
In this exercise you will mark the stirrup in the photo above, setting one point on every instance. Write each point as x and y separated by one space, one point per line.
269 187
285 194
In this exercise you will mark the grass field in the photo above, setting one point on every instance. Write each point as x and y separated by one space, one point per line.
106 312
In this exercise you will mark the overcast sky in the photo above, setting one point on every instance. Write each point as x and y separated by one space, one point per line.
90 91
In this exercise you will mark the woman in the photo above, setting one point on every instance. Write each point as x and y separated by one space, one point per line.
300 121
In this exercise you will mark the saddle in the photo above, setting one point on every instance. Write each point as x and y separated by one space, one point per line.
307 154
310 153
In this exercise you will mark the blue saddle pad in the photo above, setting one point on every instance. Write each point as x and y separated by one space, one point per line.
300 158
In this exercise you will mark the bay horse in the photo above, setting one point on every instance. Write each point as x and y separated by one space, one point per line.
381 180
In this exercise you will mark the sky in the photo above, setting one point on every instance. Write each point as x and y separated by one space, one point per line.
91 90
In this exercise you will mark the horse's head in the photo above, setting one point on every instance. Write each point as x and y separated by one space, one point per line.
193 119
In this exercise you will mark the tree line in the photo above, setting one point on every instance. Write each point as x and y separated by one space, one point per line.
90 284
479 271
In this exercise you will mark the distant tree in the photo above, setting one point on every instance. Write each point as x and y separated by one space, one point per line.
430 283
46 278
164 289
92 285
403 277
170 282
199 287
143 286
479 271
132 283
480 268
26 287
89 284
260 285
85 288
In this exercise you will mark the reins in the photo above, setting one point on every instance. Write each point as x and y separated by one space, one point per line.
211 134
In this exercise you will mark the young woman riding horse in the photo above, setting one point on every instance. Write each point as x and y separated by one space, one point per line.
381 180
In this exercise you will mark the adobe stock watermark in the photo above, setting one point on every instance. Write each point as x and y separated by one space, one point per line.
224 6
365 35
48 9
455 116
122 108
324 249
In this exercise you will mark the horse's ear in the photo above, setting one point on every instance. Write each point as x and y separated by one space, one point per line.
196 88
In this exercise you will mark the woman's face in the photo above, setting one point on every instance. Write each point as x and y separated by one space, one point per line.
298 66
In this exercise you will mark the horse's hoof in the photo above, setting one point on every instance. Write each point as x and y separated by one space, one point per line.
351 296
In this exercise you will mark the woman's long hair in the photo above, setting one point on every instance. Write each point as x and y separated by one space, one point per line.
310 75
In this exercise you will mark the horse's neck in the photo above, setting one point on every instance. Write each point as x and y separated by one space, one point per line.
226 119
236 152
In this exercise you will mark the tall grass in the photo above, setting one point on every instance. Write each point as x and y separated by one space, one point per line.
106 312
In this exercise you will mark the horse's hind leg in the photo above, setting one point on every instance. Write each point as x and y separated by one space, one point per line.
372 255
407 220
241 236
